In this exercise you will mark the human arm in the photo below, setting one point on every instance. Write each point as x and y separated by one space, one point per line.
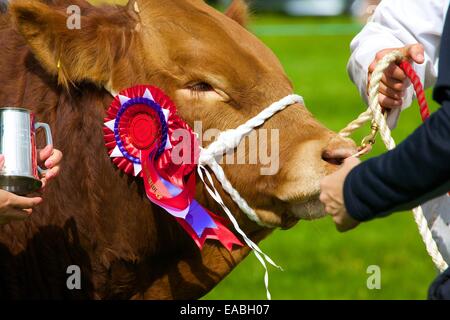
398 24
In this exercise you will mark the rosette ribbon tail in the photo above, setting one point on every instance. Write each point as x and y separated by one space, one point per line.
178 200
195 226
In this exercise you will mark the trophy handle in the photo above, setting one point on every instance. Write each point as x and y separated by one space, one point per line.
48 138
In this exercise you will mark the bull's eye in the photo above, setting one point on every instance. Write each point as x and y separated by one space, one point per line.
203 91
201 87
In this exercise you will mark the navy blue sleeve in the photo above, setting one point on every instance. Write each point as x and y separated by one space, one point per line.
417 170
440 289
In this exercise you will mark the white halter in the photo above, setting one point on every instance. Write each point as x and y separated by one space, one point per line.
228 141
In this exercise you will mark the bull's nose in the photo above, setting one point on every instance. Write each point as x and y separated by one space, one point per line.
338 149
337 156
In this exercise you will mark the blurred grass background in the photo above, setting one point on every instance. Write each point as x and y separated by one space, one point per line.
319 262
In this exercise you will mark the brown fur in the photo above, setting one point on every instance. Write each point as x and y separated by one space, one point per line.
95 216
238 11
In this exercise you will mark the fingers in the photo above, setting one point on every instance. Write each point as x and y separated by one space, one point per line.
343 221
23 202
393 71
44 154
391 93
392 83
54 159
44 184
51 173
51 158
394 80
416 52
392 88
14 207
351 162
388 103
380 54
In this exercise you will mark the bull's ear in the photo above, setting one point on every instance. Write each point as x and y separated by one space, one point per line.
74 46
238 11
35 21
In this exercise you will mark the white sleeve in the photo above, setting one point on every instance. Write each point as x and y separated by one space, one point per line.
395 24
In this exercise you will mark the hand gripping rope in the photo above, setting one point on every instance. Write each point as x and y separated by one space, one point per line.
375 114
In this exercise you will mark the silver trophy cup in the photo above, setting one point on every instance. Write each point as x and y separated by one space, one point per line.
20 174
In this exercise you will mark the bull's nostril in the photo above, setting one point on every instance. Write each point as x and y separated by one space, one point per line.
332 160
337 156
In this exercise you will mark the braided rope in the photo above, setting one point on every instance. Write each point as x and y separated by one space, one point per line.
376 115
420 93
428 239
359 122
234 194
229 140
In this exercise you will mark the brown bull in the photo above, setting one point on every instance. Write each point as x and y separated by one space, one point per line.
98 218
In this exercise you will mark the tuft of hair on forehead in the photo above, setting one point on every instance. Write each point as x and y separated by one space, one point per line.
239 12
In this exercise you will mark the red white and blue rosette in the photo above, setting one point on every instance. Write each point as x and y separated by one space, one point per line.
142 133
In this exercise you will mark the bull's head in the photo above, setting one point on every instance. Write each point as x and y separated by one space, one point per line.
215 71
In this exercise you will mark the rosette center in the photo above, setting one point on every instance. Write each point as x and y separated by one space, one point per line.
144 131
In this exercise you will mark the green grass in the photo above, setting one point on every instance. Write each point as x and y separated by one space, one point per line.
319 262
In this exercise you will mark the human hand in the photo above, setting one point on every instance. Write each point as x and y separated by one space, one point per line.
332 195
394 81
49 158
13 207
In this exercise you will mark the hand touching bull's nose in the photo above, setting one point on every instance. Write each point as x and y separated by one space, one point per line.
49 158
332 196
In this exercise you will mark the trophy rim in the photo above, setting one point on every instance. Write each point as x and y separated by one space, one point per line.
15 109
